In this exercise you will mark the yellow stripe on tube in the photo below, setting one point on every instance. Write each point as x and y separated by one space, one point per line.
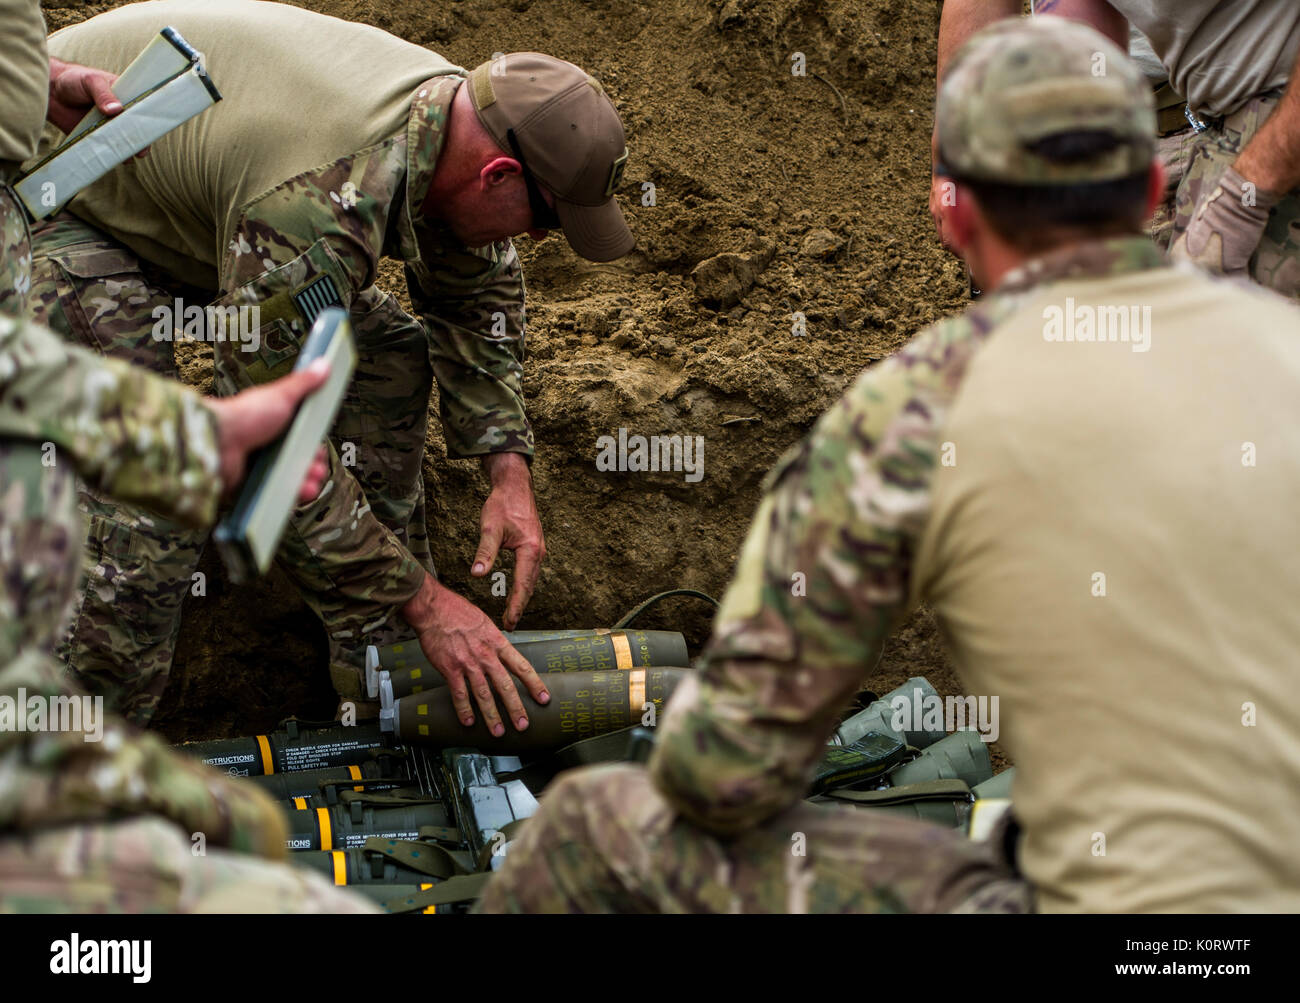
268 764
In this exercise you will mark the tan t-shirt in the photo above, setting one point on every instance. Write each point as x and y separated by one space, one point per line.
24 78
998 475
1220 53
1116 556
336 89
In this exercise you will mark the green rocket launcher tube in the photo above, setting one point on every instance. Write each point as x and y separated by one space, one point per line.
340 827
879 717
409 654
547 651
286 752
619 649
582 704
357 866
405 654
371 776
996 787
960 756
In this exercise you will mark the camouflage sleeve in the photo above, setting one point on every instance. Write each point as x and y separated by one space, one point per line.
472 304
136 436
94 767
821 582
312 242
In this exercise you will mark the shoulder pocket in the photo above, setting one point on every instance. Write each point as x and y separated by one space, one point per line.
282 303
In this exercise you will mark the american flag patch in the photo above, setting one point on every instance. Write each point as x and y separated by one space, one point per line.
315 296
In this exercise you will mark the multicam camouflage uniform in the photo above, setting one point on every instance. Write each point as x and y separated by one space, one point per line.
15 256
109 824
1175 153
361 549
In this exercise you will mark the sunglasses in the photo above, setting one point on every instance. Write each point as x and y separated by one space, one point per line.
544 217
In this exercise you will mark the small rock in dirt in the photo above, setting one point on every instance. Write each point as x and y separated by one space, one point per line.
723 279
820 243
729 14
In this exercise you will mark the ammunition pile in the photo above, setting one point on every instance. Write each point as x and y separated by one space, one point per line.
416 810
915 771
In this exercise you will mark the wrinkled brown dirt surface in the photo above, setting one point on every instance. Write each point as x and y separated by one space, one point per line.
814 188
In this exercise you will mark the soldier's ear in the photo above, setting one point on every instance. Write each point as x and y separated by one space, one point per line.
962 219
497 171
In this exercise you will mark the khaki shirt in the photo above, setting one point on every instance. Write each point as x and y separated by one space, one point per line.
1220 53
24 80
1106 533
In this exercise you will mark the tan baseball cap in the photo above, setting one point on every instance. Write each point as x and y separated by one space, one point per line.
1025 79
560 124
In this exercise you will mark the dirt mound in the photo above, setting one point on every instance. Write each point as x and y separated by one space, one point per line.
778 188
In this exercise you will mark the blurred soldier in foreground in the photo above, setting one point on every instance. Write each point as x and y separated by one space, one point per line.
335 145
93 816
1237 209
1089 478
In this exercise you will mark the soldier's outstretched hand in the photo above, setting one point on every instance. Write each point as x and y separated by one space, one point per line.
510 520
466 647
255 417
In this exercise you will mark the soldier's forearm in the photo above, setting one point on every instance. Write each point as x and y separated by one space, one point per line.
726 759
1097 13
506 467
1272 158
487 419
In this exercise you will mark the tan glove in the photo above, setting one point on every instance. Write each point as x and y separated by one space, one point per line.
1226 227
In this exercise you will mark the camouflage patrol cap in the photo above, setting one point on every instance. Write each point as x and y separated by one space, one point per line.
1023 80
570 137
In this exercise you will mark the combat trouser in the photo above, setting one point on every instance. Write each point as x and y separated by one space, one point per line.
138 567
15 251
605 840
1276 261
1174 151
